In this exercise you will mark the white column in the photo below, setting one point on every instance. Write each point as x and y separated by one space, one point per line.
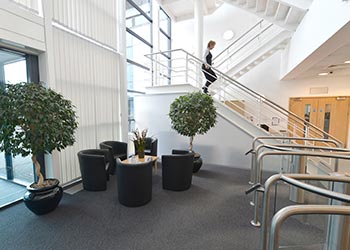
198 34
198 27
156 42
48 75
123 104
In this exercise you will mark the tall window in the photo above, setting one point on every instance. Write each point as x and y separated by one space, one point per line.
139 42
165 38
16 67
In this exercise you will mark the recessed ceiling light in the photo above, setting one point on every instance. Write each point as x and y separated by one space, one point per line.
323 74
347 62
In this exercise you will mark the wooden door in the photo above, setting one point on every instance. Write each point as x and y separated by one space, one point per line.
305 108
330 114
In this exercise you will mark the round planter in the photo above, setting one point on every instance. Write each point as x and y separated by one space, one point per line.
44 199
197 163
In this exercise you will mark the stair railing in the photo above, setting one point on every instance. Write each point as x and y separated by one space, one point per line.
245 45
180 67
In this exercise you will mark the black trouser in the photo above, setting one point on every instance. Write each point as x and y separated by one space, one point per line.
209 75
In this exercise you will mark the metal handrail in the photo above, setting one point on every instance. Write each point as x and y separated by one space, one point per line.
292 180
286 212
260 138
286 147
245 89
258 171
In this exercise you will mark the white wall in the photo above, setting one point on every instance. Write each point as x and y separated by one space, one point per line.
83 66
224 18
265 80
225 144
79 59
321 22
20 27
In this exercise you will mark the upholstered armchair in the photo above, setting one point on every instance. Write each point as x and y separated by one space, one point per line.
197 162
117 150
177 171
134 183
94 165
151 146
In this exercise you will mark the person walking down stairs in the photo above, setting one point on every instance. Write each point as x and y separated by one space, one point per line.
206 67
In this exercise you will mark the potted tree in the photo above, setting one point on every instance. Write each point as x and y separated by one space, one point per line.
36 120
192 114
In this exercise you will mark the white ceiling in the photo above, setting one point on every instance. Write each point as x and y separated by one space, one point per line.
328 58
180 10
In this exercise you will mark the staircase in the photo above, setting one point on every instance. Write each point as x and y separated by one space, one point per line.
181 67
251 48
284 13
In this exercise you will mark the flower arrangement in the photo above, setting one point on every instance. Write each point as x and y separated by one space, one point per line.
140 141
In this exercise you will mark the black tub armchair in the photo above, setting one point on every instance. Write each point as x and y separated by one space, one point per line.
117 150
94 165
177 171
134 183
151 146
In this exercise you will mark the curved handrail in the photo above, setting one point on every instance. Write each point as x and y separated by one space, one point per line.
254 94
258 171
260 138
292 179
286 212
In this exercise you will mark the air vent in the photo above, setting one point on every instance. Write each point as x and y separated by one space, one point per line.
319 90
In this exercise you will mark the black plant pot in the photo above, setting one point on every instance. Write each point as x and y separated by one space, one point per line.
45 199
197 162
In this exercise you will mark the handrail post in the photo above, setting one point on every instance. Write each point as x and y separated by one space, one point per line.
186 69
338 228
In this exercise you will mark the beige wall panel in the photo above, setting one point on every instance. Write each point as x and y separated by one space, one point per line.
92 18
87 75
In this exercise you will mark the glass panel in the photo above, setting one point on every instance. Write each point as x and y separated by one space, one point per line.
138 78
136 50
139 24
164 22
164 43
16 72
13 69
327 119
307 118
131 118
145 5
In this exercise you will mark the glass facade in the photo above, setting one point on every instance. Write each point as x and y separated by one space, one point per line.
139 42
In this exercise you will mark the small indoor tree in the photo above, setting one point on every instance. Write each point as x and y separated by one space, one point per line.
193 114
35 120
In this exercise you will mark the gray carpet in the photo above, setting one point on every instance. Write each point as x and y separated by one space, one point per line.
213 214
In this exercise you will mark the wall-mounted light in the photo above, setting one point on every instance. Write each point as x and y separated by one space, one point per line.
228 35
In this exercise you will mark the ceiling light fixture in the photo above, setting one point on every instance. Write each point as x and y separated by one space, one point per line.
323 74
347 62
